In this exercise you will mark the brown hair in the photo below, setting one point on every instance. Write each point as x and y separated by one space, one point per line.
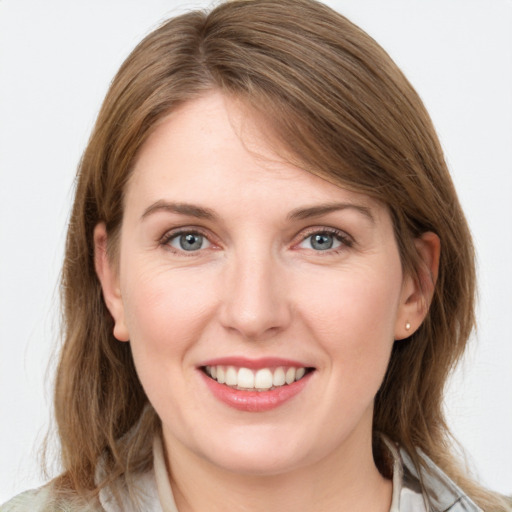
342 109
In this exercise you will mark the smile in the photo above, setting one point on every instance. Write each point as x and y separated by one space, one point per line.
263 379
255 385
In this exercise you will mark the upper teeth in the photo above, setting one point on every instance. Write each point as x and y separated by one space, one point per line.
263 379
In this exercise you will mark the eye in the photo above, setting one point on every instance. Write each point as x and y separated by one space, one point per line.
188 241
324 241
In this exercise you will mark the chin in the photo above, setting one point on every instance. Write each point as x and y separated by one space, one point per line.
255 463
252 453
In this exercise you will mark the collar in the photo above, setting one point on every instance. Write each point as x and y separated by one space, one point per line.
442 494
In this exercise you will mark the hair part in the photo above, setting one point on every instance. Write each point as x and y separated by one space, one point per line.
339 108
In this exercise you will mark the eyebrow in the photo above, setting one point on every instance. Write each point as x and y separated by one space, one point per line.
181 208
200 212
324 209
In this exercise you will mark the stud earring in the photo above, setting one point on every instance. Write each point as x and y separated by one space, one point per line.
407 326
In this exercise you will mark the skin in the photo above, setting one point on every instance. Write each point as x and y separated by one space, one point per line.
258 288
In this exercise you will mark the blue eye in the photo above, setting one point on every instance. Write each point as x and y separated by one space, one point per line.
189 242
322 241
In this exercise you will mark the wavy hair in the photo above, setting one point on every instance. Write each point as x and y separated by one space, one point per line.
340 107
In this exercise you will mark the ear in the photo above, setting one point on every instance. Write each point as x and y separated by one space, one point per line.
417 291
109 279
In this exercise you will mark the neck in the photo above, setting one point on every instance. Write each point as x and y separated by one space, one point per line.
346 479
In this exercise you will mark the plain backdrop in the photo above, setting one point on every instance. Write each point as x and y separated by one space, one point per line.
56 60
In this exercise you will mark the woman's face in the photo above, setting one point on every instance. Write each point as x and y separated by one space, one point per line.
236 266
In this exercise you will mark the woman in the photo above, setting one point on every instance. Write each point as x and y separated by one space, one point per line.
268 277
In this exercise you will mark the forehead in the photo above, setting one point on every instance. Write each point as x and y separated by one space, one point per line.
212 151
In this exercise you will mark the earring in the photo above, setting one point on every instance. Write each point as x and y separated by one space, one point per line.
407 326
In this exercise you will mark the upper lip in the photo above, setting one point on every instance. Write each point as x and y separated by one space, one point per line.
254 364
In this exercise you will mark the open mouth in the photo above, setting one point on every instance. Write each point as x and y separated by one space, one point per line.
263 379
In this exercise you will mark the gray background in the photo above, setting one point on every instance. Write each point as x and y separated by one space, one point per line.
56 60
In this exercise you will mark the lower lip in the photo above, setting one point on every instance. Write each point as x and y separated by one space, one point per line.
255 401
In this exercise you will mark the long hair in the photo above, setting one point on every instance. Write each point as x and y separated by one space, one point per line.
338 106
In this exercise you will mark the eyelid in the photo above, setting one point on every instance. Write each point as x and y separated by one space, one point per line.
164 240
343 236
183 230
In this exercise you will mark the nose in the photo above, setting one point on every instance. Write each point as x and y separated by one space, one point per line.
255 301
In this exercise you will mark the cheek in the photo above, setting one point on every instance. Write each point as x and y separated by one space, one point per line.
354 319
165 314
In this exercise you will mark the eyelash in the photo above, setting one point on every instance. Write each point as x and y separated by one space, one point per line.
171 235
345 240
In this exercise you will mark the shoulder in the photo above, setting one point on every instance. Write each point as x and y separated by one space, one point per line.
43 500
35 500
